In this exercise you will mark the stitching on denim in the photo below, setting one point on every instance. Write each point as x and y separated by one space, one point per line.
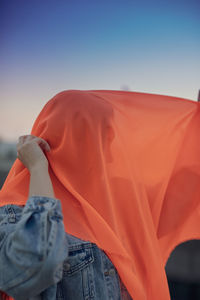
11 214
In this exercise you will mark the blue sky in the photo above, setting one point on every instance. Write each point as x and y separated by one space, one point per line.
50 46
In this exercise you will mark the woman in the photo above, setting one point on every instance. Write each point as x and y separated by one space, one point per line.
118 162
40 221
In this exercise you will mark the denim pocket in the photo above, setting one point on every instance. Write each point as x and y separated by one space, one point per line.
79 257
78 274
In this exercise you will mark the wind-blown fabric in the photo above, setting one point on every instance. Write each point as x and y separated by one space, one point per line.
126 168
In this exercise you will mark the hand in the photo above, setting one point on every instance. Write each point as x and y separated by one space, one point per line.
30 151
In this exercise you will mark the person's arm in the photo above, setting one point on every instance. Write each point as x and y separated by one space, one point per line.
33 247
33 244
40 182
31 152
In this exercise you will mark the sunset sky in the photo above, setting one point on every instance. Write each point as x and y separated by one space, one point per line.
50 46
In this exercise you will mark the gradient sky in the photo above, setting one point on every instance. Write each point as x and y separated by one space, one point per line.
50 46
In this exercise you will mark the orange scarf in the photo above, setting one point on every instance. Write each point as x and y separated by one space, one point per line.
126 168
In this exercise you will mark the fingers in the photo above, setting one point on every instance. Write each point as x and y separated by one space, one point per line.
43 143
27 138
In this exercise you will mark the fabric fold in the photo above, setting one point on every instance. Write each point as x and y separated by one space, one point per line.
126 168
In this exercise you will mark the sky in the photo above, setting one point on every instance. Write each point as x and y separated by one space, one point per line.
50 46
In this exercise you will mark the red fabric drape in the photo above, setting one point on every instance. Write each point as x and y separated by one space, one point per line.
126 168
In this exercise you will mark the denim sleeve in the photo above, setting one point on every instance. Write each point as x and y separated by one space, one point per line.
33 247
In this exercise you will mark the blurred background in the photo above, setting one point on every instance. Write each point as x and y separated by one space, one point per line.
144 46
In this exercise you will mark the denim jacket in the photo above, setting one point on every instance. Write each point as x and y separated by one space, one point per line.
40 261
